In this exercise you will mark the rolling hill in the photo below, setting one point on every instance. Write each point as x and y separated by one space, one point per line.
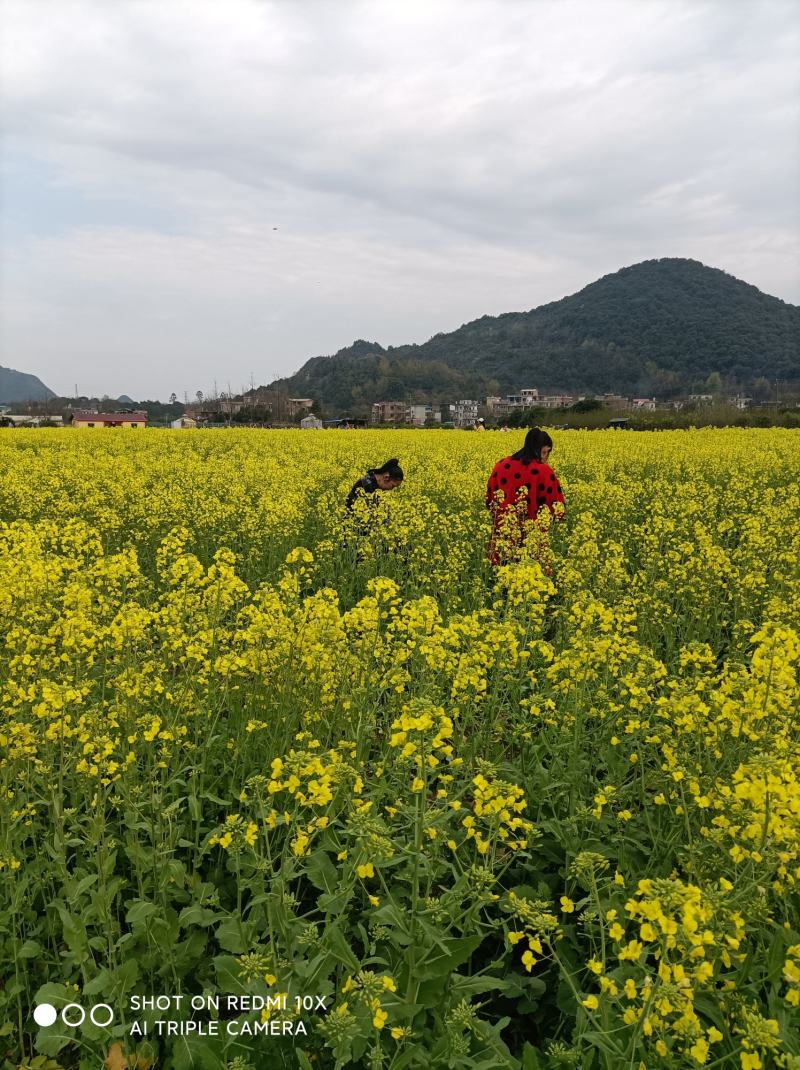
20 386
658 327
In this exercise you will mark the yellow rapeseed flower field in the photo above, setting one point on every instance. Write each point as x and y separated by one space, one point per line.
539 816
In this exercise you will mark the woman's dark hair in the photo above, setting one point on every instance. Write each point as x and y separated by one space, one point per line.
392 469
532 447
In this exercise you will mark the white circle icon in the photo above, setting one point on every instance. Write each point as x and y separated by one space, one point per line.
67 1021
45 1014
93 1015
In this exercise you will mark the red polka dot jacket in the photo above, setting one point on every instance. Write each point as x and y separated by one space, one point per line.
507 478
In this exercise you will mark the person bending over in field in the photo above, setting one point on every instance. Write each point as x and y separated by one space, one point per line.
388 477
519 486
363 500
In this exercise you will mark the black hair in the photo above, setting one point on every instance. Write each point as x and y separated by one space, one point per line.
532 447
392 469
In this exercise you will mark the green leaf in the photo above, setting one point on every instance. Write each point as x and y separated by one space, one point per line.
458 950
195 1053
140 911
497 1053
776 957
333 939
85 884
51 1039
530 1057
431 993
334 904
230 936
100 983
53 992
322 873
74 933
474 986
227 971
188 953
198 915
415 1054
31 949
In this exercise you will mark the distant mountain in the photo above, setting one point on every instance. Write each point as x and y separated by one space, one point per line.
659 327
123 399
21 386
365 372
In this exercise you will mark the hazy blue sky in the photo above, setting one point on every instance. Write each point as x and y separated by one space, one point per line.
195 191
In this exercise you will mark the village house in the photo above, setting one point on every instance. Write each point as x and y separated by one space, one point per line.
460 413
389 412
419 414
229 406
122 418
296 406
16 419
525 399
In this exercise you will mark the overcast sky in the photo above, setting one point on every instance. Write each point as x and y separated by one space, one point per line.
200 191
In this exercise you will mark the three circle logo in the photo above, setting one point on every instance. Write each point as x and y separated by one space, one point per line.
73 1015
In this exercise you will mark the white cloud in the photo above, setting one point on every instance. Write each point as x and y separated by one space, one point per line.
423 164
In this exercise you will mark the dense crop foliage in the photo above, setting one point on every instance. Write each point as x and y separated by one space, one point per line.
510 820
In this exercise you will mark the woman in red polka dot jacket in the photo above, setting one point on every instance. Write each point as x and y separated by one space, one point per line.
528 469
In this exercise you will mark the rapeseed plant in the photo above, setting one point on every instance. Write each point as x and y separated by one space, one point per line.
553 806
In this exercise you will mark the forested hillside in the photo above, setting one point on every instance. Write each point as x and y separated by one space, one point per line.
659 327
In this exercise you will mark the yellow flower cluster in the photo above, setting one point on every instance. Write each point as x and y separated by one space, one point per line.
495 820
540 927
791 974
234 834
422 733
670 943
310 776
312 779
371 990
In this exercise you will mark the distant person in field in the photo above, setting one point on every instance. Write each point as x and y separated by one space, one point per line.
519 486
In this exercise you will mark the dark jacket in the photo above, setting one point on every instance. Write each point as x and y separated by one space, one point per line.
366 485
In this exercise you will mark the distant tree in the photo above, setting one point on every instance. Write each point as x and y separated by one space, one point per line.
714 383
529 417
586 405
762 389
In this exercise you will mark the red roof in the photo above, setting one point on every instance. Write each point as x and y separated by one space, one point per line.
87 415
